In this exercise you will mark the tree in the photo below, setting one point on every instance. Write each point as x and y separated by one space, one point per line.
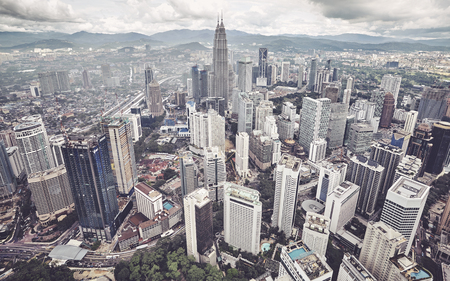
169 173
195 274
123 275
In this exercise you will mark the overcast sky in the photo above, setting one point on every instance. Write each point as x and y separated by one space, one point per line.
397 18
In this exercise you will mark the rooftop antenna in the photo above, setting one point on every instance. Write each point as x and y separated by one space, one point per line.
221 15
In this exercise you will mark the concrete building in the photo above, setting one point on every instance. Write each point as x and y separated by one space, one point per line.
8 137
149 201
312 75
404 268
411 120
330 176
403 207
264 109
242 152
214 167
286 187
316 231
360 138
16 161
106 73
352 270
56 143
389 157
245 119
8 181
219 95
245 75
286 128
420 145
391 84
136 125
270 127
388 111
381 243
154 99
260 149
341 205
336 125
367 174
285 71
438 158
242 217
378 98
317 150
315 117
188 174
198 217
433 103
207 129
409 167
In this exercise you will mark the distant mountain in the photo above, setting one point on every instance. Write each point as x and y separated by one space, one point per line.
9 39
44 44
193 46
96 39
182 36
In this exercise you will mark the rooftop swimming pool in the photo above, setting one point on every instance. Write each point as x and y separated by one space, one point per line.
420 275
265 247
167 206
296 253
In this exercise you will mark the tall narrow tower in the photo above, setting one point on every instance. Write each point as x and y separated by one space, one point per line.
154 99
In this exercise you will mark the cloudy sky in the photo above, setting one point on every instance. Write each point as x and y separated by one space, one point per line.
396 18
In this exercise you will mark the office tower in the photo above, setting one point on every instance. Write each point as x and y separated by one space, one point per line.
331 92
330 176
92 183
198 217
300 77
348 123
400 138
438 158
242 217
195 84
335 74
136 125
352 270
260 149
341 205
245 75
381 243
315 116
299 262
203 83
378 98
409 167
264 109
242 146
391 84
221 74
286 185
433 102
188 174
389 157
154 101
262 63
349 83
444 224
207 129
317 150
149 201
272 75
367 174
34 90
285 71
8 183
336 125
34 147
86 80
214 166
46 82
316 232
16 161
255 71
62 84
121 152
51 193
346 97
420 145
8 137
106 73
56 143
388 111
148 78
411 120
286 128
360 137
189 87
245 119
312 75
270 127
180 98
403 207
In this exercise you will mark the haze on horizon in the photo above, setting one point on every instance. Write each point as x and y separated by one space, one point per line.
412 19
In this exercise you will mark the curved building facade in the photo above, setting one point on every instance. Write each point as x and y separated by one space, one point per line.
388 110
56 143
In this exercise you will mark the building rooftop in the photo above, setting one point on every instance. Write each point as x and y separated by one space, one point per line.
59 169
127 234
411 270
27 126
317 222
312 206
147 190
67 252
290 162
359 267
241 192
343 187
409 188
201 196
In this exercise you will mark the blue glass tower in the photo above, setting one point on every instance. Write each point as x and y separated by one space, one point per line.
8 182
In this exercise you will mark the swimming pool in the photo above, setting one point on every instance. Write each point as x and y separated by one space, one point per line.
420 275
265 247
167 206
296 253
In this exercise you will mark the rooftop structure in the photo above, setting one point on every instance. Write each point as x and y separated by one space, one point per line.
352 270
316 232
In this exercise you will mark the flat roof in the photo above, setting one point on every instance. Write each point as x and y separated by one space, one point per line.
147 190
409 188
68 252
312 206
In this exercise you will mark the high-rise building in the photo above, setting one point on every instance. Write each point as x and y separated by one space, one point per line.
34 147
245 75
262 63
51 193
92 183
242 143
352 270
388 111
219 97
121 152
336 125
189 87
46 82
381 243
317 150
315 116
367 174
389 157
409 167
203 83
8 181
349 83
444 224
16 161
188 175
214 166
264 109
346 97
136 125
8 137
86 80
63 84
391 84
195 84
286 187
438 158
331 92
260 149
270 127
420 145
56 143
411 120
272 75
378 99
360 137
312 75
403 207
330 176
198 217
106 73
245 119
285 71
316 232
149 201
335 74
433 103
242 217
341 205
154 99
207 129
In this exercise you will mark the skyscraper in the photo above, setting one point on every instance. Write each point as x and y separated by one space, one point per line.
316 232
106 73
86 80
207 129
245 119
272 75
8 181
317 150
242 217
411 120
367 174
440 149
245 75
389 157
203 83
315 117
242 142
403 207
420 145
312 75
336 125
220 66
121 152
330 176
352 270
388 111
360 137
263 62
214 167
92 183
188 169
195 84
285 71
391 84
149 201
264 109
198 217
154 100
286 185
148 78
433 102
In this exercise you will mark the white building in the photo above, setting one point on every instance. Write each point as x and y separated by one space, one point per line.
286 187
148 200
270 127
136 126
316 231
242 140
317 150
189 87
207 129
245 75
245 119
341 205
264 109
285 71
214 167
16 160
391 84
352 270
403 207
315 116
242 217
411 120
330 176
